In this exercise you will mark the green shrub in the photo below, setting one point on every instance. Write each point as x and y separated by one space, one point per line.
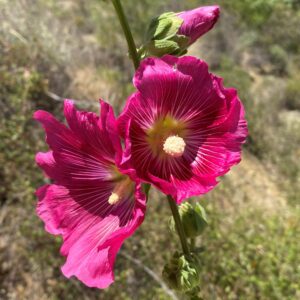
280 60
252 13
252 258
292 92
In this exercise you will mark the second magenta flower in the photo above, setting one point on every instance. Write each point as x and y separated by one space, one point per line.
182 128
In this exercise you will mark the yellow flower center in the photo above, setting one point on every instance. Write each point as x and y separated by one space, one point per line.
165 136
174 146
123 189
114 198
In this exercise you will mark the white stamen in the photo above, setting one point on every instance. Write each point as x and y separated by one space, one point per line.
174 145
114 198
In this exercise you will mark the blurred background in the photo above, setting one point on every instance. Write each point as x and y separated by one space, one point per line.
75 49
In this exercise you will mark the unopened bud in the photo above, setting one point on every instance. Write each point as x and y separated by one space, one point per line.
198 21
182 273
193 219
172 33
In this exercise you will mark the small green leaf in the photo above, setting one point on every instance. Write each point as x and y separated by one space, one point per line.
161 47
164 26
182 41
146 188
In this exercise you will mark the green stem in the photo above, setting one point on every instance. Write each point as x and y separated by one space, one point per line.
193 243
128 35
179 226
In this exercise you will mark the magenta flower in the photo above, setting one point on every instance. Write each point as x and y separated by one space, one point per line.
182 128
198 21
94 202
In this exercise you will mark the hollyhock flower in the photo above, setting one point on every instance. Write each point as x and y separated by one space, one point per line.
94 202
182 128
198 21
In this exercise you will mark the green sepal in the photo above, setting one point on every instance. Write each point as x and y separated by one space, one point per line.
175 46
164 26
159 48
146 188
193 219
182 273
182 42
161 37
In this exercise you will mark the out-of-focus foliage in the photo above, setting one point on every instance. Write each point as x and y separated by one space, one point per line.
75 49
254 260
253 13
293 92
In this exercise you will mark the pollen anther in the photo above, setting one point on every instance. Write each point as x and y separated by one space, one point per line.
174 146
114 198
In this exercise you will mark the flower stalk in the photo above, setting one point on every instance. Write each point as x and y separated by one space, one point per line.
179 226
193 243
136 61
127 32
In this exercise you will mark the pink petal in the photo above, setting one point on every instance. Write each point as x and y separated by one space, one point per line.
92 232
82 153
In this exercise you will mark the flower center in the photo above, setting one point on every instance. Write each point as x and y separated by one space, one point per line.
174 146
114 198
123 188
162 135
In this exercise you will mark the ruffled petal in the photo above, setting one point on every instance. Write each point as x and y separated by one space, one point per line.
82 153
219 144
91 237
171 85
100 133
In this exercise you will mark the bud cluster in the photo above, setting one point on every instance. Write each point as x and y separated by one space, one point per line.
182 273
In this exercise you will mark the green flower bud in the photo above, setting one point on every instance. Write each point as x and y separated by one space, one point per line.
162 37
193 219
182 273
